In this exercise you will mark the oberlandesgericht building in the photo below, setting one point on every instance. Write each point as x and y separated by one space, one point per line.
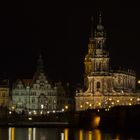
105 87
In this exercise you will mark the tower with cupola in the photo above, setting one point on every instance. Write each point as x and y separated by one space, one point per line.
97 60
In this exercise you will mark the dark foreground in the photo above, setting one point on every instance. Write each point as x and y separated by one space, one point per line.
121 118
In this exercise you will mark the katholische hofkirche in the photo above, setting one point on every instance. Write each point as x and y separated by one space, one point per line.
105 88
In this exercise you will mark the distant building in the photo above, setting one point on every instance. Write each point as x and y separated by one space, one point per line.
4 93
38 95
104 87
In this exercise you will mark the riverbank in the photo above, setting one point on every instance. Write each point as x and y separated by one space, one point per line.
121 117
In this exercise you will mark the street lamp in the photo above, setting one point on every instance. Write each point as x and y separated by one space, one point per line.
66 107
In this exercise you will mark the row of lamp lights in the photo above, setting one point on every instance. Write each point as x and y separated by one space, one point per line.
112 103
34 112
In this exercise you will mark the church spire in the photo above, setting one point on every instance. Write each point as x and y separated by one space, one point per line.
100 18
40 65
99 32
92 27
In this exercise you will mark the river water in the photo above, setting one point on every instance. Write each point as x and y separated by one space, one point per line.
13 133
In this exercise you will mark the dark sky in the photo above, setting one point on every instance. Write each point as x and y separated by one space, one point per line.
61 34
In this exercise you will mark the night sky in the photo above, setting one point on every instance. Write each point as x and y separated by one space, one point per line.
61 34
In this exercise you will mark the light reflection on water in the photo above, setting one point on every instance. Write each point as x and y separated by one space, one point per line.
59 134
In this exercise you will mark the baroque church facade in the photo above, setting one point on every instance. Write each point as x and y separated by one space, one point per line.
37 95
104 87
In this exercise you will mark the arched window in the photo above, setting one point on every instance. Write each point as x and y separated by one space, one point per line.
98 85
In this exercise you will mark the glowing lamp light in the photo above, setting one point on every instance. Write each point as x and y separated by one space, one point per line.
30 118
66 106
112 103
87 103
13 108
10 112
42 106
81 106
109 106
118 101
30 112
34 112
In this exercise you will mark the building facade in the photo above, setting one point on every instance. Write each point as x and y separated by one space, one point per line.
4 93
104 87
38 95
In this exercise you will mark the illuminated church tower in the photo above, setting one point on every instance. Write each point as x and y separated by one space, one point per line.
97 60
104 87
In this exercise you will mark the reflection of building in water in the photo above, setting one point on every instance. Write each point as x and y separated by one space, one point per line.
11 132
103 86
90 135
64 136
97 134
80 134
31 133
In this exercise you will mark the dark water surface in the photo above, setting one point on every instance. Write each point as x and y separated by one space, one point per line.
13 133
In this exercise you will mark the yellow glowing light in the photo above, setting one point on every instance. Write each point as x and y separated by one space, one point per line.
13 133
66 134
87 103
138 99
118 101
97 134
112 103
131 99
130 104
138 81
110 99
13 107
90 135
81 106
95 121
81 135
66 107
99 103
90 105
